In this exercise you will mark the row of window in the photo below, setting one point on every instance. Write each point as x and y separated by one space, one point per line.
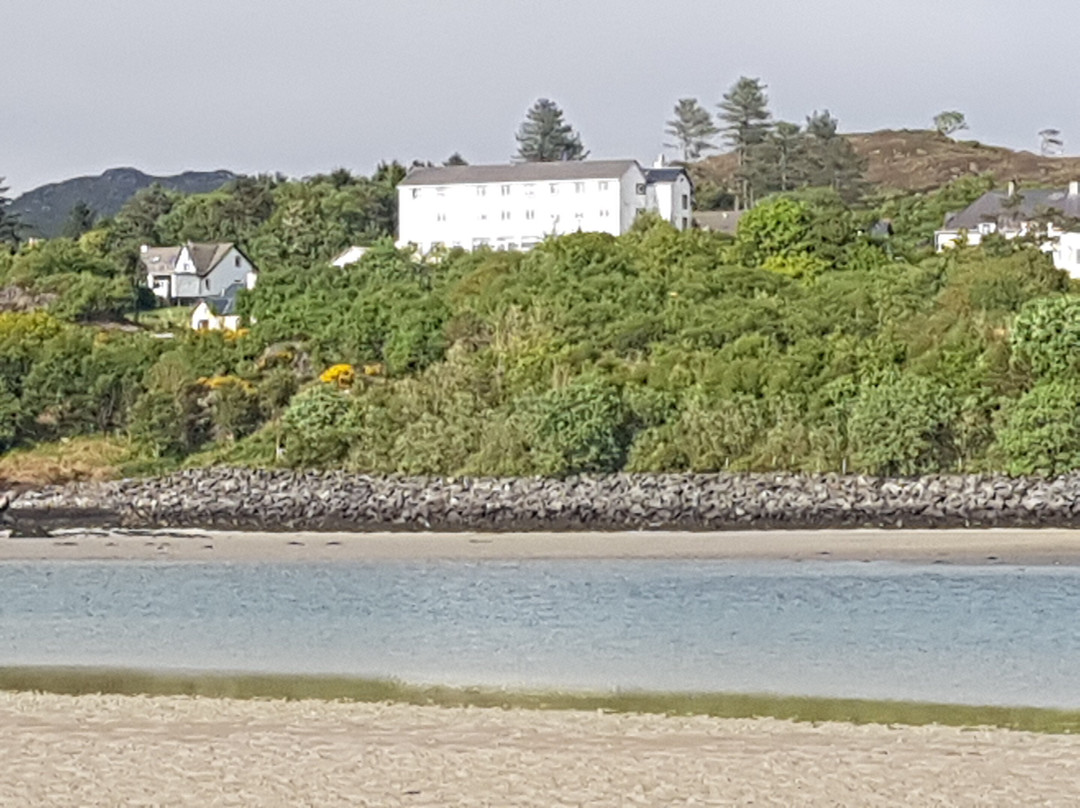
530 215
530 188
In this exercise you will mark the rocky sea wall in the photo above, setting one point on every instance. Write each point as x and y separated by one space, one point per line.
276 500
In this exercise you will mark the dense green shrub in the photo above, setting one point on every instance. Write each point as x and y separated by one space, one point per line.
1046 336
903 426
1040 433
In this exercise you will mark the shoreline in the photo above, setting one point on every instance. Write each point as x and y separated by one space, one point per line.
78 681
967 546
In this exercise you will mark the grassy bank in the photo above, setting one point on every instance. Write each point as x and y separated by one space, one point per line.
79 681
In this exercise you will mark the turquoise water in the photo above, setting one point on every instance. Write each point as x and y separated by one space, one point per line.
978 635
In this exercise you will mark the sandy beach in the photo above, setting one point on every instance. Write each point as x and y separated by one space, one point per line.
129 750
974 546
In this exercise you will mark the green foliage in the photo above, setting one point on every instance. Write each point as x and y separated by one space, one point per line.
1046 336
1040 433
950 121
168 424
545 137
318 426
800 344
903 426
80 220
11 227
692 129
915 217
578 428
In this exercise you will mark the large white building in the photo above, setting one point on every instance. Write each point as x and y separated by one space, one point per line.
516 206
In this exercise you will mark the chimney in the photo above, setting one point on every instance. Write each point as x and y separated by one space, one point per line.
1074 188
1011 192
661 161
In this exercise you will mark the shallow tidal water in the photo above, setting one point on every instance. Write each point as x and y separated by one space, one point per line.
975 635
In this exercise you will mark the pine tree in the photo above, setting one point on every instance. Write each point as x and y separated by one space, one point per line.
80 220
692 128
455 159
785 154
544 137
833 162
10 227
744 113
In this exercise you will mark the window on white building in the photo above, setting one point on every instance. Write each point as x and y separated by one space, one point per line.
554 187
415 193
639 189
505 190
440 217
579 216
505 216
685 201
530 189
604 214
440 191
481 190
530 214
579 187
603 185
483 217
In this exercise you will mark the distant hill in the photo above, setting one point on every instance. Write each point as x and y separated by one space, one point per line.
45 210
921 160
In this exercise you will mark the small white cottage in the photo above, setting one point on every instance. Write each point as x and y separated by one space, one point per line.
217 313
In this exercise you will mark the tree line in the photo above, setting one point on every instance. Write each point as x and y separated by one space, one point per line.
805 343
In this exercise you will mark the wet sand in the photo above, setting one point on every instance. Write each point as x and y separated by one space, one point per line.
132 750
975 546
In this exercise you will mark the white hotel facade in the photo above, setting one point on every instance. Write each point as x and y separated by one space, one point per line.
516 206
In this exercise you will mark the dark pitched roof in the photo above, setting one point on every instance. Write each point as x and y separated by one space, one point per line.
665 174
207 256
991 206
160 259
225 303
519 172
204 256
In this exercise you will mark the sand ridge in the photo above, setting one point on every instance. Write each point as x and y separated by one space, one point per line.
964 546
131 750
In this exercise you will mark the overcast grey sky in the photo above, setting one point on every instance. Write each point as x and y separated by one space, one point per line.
302 87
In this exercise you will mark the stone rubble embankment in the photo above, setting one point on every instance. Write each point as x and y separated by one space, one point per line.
269 500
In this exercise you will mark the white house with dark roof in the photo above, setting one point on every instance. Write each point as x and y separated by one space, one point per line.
218 313
670 192
185 274
516 206
1012 213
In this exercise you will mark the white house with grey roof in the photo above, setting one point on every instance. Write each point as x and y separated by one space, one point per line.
1012 214
516 206
185 274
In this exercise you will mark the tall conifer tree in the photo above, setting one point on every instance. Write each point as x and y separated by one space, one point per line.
10 226
692 129
746 122
544 137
